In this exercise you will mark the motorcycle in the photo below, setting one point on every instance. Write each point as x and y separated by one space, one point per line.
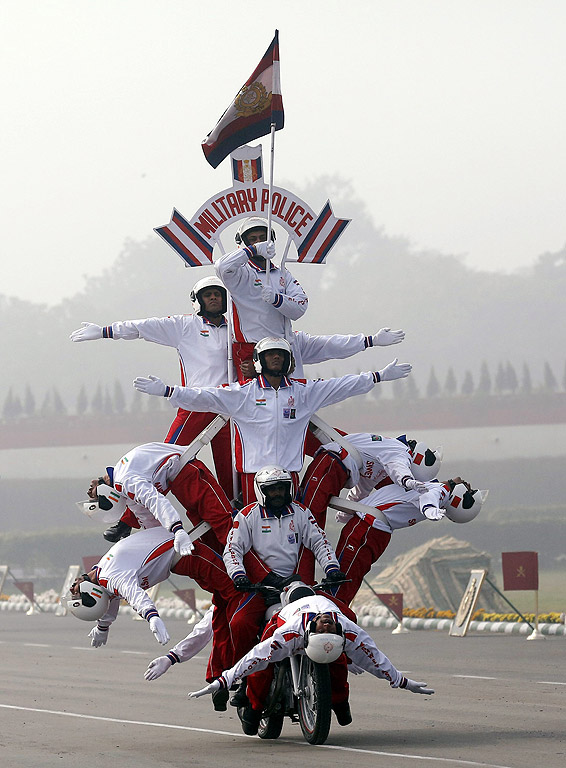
300 690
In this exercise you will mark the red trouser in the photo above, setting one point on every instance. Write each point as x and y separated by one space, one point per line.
258 683
196 488
359 546
242 350
325 477
188 425
206 567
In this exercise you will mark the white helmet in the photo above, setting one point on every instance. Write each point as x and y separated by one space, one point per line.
107 508
464 505
323 647
90 604
272 342
425 463
269 476
207 282
247 225
294 591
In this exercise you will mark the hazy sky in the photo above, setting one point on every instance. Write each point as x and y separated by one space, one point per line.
447 115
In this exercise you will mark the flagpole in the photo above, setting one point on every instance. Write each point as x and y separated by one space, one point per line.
536 634
399 628
270 198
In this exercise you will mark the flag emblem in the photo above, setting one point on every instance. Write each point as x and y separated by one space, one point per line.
251 99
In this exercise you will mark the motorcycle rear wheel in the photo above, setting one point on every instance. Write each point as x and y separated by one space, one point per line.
271 724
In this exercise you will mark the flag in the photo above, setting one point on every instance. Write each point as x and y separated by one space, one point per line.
26 588
257 105
520 570
187 596
393 601
89 561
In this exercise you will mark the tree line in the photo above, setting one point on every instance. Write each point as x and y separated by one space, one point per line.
110 399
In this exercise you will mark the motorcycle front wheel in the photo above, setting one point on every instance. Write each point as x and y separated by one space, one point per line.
315 702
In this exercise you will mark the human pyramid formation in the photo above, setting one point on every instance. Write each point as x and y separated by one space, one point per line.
271 528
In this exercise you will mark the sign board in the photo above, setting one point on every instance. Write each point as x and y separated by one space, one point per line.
467 605
312 234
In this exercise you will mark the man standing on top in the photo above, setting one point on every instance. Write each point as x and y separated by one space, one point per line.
264 303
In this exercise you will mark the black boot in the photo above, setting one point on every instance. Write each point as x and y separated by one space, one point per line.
343 713
117 532
250 719
220 699
239 698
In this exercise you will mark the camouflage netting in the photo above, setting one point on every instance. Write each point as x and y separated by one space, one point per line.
434 575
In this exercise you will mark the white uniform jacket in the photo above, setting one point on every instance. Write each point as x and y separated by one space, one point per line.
201 345
287 640
195 642
382 457
142 476
271 424
277 541
403 508
254 319
133 565
310 350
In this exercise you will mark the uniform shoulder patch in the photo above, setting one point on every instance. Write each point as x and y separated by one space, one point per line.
247 510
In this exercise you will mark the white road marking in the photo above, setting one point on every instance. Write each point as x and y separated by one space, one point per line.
37 645
549 682
455 761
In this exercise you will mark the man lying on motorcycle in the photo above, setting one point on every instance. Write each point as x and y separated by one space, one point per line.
312 624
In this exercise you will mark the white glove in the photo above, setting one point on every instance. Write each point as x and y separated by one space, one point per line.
151 385
385 337
268 294
395 371
159 630
410 484
214 686
343 517
98 636
265 249
432 513
157 667
183 544
415 687
87 332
